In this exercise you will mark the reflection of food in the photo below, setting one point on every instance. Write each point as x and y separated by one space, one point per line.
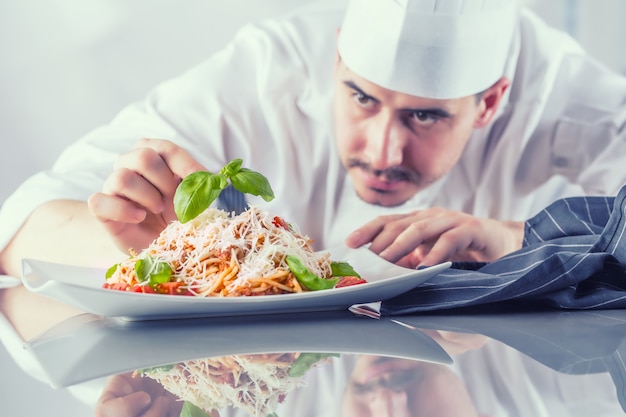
219 255
254 383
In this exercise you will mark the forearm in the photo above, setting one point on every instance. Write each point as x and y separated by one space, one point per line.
32 314
60 231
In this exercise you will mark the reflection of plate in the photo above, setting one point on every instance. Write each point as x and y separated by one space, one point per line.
7 281
81 288
87 347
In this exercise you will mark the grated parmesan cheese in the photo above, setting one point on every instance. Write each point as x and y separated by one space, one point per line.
256 243
255 384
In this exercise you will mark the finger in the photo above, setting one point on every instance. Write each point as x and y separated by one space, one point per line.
133 186
179 161
131 405
161 407
448 247
151 167
366 233
108 208
413 259
409 235
116 386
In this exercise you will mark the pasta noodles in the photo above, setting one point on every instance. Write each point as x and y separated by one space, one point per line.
255 383
218 255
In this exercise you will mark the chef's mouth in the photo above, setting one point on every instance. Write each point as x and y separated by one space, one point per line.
393 174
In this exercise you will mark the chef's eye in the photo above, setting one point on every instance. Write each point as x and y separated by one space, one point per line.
362 100
423 117
361 389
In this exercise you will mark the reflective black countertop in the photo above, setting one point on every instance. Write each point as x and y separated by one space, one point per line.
472 363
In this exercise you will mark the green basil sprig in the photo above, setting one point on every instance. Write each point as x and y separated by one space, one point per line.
307 278
152 271
198 190
109 273
192 410
162 368
343 269
305 361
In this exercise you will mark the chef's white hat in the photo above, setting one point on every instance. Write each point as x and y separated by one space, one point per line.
428 48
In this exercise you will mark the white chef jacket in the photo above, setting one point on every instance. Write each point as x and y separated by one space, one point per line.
266 98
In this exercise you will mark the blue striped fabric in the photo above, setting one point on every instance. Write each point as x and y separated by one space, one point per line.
231 200
573 257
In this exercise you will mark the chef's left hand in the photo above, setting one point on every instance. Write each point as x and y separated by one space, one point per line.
428 237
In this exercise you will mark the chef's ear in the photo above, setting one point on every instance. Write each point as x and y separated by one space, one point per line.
489 102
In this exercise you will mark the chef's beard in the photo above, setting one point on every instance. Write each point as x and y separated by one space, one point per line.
395 173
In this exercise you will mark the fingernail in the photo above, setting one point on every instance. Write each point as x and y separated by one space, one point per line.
354 239
139 214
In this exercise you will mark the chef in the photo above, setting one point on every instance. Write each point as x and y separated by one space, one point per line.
428 130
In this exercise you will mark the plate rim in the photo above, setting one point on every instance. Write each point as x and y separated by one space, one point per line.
251 304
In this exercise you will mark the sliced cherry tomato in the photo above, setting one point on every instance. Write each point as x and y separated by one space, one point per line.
349 280
146 289
118 286
280 222
172 288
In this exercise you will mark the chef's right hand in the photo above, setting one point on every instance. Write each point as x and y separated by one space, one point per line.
136 202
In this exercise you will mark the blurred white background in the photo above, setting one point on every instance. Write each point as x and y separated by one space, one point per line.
70 65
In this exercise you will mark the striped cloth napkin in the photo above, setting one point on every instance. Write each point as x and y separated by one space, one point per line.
573 257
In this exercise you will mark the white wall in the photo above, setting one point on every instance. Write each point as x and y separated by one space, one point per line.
68 66
597 24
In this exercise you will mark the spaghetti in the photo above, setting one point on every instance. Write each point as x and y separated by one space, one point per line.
255 383
218 255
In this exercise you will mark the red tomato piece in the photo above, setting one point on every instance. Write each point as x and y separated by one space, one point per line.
172 288
280 222
118 286
349 280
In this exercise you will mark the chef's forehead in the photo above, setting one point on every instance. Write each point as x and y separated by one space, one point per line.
429 48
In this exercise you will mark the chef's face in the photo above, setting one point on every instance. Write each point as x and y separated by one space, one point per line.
394 145
391 387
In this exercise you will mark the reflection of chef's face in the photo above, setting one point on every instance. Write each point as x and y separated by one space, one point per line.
389 387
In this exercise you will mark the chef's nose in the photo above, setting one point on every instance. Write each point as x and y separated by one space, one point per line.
385 142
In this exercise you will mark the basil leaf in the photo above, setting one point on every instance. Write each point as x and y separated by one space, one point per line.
162 368
251 182
343 269
306 277
196 193
161 273
198 190
153 271
305 361
231 168
111 271
192 410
